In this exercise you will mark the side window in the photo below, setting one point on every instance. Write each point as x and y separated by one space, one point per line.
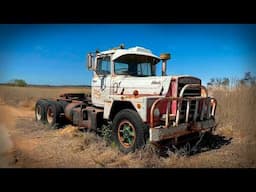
103 66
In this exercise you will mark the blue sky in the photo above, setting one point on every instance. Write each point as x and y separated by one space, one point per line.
55 53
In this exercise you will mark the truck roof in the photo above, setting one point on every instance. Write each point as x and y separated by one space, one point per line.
133 50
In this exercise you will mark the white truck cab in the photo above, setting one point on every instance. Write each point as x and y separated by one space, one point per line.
121 71
170 106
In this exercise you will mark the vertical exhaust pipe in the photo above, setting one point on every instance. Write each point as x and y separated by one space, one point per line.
164 57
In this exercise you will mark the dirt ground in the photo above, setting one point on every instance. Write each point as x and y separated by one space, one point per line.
25 144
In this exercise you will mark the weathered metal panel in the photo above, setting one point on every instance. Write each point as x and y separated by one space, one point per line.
107 108
158 134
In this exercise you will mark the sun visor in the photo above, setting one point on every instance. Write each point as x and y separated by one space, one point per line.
134 51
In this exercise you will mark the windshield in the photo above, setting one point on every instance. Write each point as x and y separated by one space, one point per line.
135 65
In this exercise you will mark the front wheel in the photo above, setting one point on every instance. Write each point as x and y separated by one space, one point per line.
128 131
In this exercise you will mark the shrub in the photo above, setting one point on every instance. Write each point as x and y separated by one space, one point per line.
18 82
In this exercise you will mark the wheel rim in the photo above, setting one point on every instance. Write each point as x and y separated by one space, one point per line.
126 134
50 115
38 112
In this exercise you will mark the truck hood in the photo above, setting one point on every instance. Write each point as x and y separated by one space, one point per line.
145 85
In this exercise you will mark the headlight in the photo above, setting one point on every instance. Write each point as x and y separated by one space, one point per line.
156 112
203 93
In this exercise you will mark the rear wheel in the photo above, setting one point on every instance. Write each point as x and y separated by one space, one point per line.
53 114
128 131
40 110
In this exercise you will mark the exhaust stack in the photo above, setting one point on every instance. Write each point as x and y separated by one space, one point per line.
164 57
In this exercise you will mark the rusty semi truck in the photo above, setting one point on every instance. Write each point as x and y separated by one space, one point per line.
139 106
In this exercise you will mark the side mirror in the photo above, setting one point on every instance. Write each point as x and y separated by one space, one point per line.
90 61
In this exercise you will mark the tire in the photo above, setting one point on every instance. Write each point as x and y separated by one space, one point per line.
128 131
63 104
40 110
53 114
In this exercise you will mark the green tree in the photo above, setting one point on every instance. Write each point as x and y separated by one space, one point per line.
18 82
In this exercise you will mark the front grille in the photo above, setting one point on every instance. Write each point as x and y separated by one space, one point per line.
183 111
190 92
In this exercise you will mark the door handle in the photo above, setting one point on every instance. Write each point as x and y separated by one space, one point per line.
115 87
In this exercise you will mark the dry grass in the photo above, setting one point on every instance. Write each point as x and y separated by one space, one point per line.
236 116
27 96
236 110
70 131
70 147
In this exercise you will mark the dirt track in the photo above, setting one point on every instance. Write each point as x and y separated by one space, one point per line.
24 143
9 140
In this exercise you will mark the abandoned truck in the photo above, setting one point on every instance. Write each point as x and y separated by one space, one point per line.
139 106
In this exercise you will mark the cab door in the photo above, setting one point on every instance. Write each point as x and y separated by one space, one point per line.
101 81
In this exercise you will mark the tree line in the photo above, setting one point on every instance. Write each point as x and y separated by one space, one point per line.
248 80
18 83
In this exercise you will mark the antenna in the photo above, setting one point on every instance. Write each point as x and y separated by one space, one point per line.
122 46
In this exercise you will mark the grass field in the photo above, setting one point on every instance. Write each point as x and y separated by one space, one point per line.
27 96
37 146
